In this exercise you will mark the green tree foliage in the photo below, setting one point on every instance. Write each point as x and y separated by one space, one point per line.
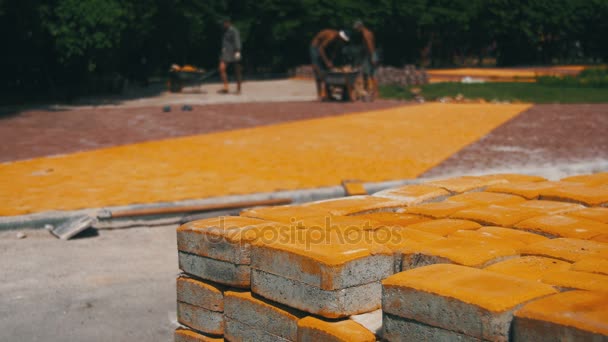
53 43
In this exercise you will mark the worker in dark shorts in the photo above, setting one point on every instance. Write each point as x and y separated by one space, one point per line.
325 41
230 56
369 58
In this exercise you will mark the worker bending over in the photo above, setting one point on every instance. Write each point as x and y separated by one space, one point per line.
325 41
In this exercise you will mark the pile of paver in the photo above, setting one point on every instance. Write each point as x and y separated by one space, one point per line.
407 75
499 257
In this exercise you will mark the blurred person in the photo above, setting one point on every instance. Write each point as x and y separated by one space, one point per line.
230 56
370 57
325 41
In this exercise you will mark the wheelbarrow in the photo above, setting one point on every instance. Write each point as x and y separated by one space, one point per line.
349 83
186 77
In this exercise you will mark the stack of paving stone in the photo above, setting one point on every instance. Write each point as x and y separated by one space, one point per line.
497 257
407 75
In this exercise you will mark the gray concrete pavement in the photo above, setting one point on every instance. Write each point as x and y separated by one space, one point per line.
118 286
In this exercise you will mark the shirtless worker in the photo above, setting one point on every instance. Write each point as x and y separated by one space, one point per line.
370 58
324 41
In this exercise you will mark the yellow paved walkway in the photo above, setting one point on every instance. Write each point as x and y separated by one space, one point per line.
374 146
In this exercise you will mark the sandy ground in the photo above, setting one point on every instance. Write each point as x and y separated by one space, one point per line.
117 286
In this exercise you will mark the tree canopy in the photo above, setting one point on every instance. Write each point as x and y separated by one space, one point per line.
55 42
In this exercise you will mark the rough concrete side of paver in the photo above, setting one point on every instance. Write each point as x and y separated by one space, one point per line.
221 272
200 293
330 304
238 331
403 330
197 318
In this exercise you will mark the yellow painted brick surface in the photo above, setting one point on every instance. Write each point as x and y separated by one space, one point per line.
466 183
590 195
563 226
415 193
583 310
491 291
512 234
356 204
577 280
592 265
595 214
445 227
567 249
529 190
398 143
495 215
596 179
187 335
439 209
484 198
311 329
529 267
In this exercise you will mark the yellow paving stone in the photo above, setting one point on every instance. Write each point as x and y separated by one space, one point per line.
252 160
445 227
543 207
567 249
591 265
563 226
529 190
311 329
513 177
488 290
568 279
595 214
187 335
394 219
495 215
484 198
479 252
466 183
601 238
478 235
564 316
285 213
529 267
415 194
593 196
437 210
512 234
398 238
592 179
356 204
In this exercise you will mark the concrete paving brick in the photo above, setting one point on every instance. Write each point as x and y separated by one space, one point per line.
567 249
485 198
469 301
196 292
529 267
224 238
327 303
445 227
371 321
197 318
601 238
357 205
568 280
544 207
272 318
311 329
413 194
591 265
394 219
528 190
592 196
400 240
554 226
462 184
505 233
596 179
568 316
474 253
438 209
495 215
218 271
513 177
187 335
236 331
328 259
594 214
284 213
397 329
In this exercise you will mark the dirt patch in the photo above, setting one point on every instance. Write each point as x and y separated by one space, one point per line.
551 136
38 133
